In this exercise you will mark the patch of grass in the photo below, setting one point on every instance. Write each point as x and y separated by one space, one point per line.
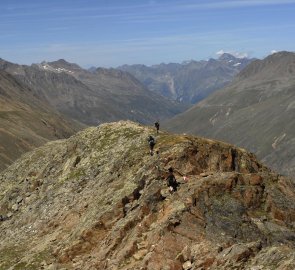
35 263
130 134
22 266
259 212
168 140
9 256
110 138
7 114
77 173
74 175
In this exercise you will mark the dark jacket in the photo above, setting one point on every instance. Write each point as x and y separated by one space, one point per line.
171 182
151 141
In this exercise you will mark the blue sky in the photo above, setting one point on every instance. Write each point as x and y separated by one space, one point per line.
115 32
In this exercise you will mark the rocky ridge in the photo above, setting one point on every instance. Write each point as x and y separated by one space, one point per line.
98 200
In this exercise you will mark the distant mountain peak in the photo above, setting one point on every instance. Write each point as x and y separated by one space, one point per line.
280 54
59 66
276 65
227 57
61 63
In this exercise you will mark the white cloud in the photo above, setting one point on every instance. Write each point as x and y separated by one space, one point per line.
234 53
221 52
241 54
273 51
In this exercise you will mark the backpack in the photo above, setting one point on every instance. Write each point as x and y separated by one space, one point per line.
171 181
152 141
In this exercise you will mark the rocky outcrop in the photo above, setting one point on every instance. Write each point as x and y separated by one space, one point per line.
98 200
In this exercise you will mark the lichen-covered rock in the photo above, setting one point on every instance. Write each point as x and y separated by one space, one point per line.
99 201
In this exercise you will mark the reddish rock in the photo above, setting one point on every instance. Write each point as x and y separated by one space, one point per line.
255 180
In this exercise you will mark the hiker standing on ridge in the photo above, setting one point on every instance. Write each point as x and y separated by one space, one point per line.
171 181
157 125
152 142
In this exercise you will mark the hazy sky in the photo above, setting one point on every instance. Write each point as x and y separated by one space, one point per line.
115 32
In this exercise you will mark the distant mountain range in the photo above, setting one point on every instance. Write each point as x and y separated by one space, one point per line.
37 102
25 121
190 81
256 111
93 97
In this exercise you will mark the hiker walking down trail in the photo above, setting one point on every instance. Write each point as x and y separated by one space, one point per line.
171 181
157 125
152 142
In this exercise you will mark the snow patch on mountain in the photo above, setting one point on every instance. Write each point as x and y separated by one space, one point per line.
46 66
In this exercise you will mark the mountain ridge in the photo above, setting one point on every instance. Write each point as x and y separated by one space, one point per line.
191 81
255 111
92 97
99 201
26 122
